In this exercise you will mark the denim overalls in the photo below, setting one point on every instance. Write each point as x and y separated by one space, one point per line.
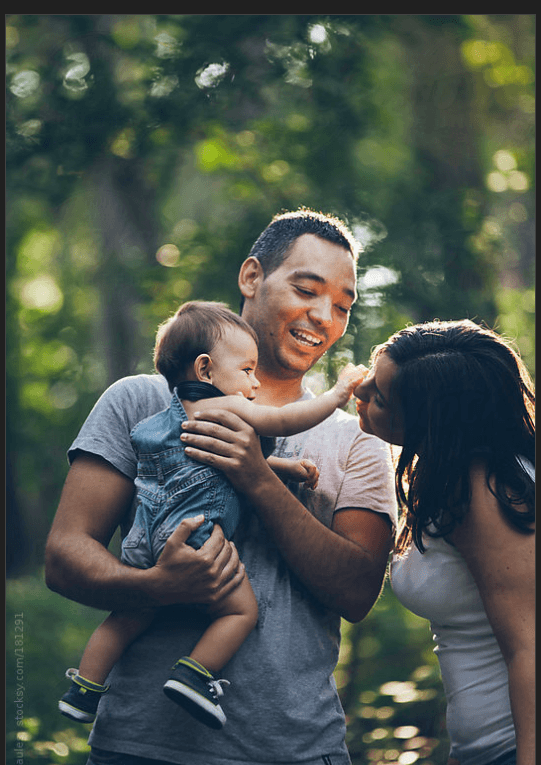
171 486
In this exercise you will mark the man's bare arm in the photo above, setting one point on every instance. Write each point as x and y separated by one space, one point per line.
78 565
344 566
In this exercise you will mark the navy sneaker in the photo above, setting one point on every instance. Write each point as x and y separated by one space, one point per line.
80 703
194 688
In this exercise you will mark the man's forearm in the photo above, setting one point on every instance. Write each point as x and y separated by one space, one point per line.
182 575
86 572
345 575
344 566
79 566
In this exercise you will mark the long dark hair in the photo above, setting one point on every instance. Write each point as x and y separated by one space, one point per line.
465 396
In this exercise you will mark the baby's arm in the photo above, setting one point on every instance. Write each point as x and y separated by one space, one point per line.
302 471
298 416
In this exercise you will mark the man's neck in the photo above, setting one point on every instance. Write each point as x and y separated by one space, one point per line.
276 391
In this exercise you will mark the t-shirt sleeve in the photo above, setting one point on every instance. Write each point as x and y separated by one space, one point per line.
369 478
106 431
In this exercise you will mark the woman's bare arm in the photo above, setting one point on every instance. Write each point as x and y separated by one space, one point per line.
501 560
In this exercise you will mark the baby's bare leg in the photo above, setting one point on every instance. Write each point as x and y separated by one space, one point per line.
109 641
234 619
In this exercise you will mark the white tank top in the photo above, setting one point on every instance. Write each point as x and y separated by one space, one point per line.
438 586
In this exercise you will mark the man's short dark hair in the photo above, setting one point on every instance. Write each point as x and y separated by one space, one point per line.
194 329
273 245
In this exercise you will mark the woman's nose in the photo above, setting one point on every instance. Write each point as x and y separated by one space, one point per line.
362 390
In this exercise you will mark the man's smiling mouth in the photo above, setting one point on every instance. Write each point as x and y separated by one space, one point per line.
306 338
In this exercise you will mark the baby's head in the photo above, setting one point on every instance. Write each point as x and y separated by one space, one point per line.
206 341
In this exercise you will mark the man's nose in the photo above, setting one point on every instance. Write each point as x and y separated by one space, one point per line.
321 311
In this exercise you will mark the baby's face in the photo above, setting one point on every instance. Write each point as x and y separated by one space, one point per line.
234 361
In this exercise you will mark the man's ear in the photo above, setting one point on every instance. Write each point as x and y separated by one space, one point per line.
250 277
202 367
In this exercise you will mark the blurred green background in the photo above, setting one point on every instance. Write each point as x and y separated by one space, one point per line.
145 153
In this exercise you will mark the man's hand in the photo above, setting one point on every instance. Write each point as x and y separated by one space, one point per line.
185 575
224 441
329 562
95 499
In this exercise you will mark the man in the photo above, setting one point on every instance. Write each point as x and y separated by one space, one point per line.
310 562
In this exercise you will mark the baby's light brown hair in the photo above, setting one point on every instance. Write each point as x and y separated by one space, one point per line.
194 329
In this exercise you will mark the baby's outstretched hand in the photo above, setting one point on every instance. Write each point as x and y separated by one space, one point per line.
310 482
349 378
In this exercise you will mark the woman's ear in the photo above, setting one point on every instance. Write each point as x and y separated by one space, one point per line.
202 367
250 277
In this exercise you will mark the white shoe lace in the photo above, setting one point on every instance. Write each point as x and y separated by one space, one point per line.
216 687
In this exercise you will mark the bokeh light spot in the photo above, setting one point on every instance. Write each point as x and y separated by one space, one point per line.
24 84
168 255
42 293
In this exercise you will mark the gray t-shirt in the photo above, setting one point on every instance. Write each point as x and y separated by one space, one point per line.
282 705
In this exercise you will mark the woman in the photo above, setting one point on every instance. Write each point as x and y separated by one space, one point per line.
460 402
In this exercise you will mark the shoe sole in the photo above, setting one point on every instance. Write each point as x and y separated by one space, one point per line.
197 705
75 714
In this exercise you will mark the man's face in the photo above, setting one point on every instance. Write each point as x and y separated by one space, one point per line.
302 307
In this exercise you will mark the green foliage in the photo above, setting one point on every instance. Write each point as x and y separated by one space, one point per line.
516 320
45 634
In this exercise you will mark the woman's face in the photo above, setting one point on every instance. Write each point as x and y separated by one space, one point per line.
377 407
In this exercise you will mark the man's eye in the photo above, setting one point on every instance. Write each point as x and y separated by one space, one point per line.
304 291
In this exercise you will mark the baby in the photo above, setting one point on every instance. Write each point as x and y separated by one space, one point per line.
208 355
